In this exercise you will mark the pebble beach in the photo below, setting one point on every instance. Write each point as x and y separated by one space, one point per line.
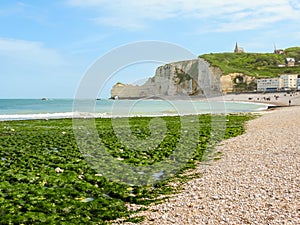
256 181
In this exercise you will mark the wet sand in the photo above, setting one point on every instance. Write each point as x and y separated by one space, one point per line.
282 100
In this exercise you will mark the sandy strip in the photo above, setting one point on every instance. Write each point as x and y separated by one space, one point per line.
257 180
282 98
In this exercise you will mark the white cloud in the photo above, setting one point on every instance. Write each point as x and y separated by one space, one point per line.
126 23
258 18
233 14
28 70
28 52
295 4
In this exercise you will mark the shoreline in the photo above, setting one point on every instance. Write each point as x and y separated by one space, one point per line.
47 160
282 100
255 181
199 111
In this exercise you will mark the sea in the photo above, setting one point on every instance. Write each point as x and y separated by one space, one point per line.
27 109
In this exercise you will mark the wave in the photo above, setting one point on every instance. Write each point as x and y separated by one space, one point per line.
145 111
85 115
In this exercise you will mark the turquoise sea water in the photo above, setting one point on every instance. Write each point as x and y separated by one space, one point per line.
11 109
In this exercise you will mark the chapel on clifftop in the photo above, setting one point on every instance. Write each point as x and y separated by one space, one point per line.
238 49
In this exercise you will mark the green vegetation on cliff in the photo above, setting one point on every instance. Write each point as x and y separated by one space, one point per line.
255 64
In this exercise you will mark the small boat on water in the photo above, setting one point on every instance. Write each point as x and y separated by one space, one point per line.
44 99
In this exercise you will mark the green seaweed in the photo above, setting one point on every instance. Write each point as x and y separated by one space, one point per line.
32 192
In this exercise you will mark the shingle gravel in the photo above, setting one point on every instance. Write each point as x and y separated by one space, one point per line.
256 181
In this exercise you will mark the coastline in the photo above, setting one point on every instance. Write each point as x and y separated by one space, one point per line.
282 100
218 196
42 159
131 108
255 181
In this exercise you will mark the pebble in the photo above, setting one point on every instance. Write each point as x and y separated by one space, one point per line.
256 181
58 170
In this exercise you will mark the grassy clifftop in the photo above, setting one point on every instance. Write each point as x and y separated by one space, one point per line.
255 64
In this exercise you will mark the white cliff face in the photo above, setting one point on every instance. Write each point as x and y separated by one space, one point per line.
185 78
175 79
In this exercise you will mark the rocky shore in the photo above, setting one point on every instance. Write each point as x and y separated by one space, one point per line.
256 181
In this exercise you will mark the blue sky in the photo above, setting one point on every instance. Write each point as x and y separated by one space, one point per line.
47 46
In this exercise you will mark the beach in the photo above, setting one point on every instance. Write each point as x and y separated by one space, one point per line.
278 98
256 181
47 176
28 109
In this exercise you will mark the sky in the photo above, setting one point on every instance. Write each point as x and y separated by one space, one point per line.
46 47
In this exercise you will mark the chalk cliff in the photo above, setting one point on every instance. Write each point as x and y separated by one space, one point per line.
185 78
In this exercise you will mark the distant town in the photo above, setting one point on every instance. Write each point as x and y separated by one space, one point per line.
285 82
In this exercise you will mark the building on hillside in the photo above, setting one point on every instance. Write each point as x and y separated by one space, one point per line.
288 81
279 51
268 84
290 62
238 49
284 82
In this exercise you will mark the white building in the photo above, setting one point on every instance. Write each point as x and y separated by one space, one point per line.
268 84
284 82
290 62
288 81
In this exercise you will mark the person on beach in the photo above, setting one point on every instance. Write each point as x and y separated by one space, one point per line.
290 102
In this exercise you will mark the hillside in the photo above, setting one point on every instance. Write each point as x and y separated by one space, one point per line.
259 65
